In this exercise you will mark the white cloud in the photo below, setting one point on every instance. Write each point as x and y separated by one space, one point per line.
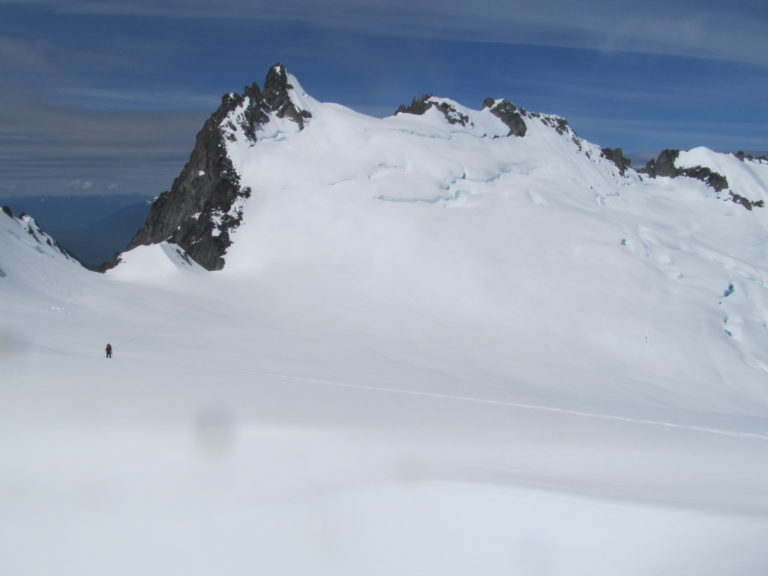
133 99
80 184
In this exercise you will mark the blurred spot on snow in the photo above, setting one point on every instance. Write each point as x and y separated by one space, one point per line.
2 273
214 431
8 344
534 555
408 469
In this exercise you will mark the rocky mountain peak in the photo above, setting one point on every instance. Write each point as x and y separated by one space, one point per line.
203 206
277 96
276 85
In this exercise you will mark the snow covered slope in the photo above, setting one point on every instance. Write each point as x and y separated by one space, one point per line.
438 225
29 258
436 346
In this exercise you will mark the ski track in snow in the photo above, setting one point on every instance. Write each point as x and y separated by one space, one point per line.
519 405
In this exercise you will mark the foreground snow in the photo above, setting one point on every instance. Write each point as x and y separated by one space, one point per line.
234 438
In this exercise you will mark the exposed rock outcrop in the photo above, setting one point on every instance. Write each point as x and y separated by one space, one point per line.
616 155
502 109
748 204
664 165
509 114
203 206
420 105
762 159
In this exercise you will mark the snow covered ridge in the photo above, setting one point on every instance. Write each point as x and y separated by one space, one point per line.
204 206
156 263
31 261
432 151
27 233
743 177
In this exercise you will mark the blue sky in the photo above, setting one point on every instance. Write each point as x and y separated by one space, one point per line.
106 96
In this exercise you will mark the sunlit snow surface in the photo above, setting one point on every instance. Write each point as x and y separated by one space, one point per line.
431 351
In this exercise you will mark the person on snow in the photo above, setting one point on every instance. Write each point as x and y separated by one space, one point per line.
109 350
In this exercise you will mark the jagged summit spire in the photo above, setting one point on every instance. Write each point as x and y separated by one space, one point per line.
277 94
276 83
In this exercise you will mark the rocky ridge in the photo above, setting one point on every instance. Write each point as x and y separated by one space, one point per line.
502 109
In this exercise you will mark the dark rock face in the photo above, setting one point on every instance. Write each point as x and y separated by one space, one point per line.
557 123
420 105
748 204
616 155
710 178
509 114
7 211
664 165
744 157
206 187
200 210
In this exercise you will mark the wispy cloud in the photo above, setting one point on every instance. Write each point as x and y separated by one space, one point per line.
700 28
112 92
80 184
109 99
23 55
49 149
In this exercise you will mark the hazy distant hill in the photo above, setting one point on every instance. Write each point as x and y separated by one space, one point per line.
92 228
